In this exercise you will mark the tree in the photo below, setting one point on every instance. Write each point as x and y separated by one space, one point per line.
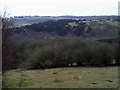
104 55
8 54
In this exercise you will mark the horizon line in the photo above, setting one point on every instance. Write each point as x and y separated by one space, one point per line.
57 15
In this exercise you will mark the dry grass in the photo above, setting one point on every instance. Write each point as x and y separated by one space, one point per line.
76 77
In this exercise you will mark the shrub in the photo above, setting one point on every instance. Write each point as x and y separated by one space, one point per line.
117 54
104 55
64 51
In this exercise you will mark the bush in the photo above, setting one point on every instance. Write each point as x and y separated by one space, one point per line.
117 54
104 55
63 52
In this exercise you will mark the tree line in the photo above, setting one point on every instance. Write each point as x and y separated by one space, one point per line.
65 52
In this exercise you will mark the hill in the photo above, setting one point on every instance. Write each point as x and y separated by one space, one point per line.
97 28
27 20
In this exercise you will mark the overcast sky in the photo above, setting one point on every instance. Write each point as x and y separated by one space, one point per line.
60 7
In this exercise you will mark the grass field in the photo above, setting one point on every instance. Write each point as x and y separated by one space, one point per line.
71 77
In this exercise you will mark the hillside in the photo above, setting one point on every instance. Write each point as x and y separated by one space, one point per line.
65 42
86 28
75 77
65 53
27 20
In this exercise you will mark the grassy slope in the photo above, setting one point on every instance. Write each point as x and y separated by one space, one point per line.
77 77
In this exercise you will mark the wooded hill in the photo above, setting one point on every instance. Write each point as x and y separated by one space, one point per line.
85 28
63 43
28 20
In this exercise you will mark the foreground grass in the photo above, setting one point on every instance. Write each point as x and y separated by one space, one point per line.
76 77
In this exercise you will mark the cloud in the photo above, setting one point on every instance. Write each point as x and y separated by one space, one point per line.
60 7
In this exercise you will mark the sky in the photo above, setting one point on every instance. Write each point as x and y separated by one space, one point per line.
59 7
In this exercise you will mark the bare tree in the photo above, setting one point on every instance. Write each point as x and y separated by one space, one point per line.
0 53
8 54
